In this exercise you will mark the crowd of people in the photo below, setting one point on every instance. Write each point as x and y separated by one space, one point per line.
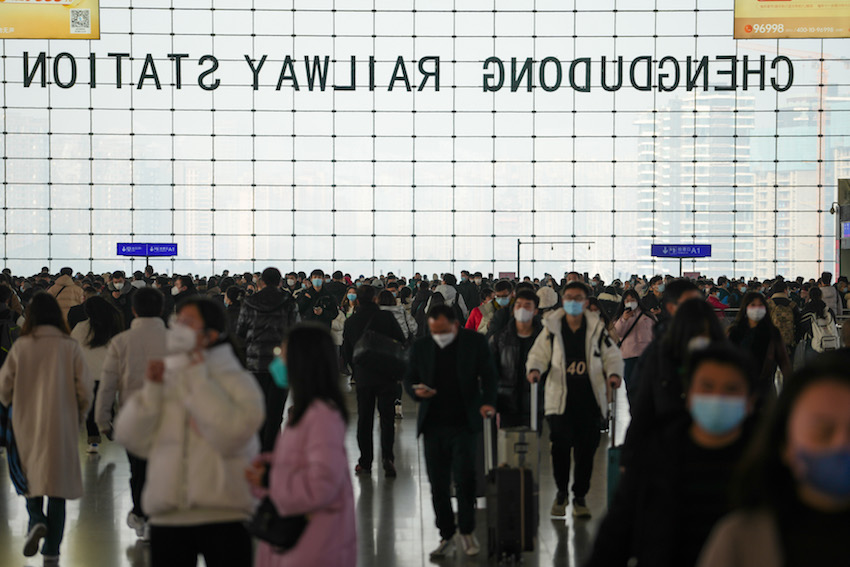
736 388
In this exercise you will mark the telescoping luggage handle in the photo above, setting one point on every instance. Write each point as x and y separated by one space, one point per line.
489 457
613 418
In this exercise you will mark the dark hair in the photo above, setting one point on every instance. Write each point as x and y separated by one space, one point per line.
118 274
764 479
503 285
212 314
529 295
271 277
741 321
337 275
693 317
105 321
594 301
577 285
780 287
148 302
366 294
186 281
404 293
386 298
5 293
234 293
66 272
311 362
622 307
816 301
44 310
674 290
485 292
450 279
317 272
726 354
524 285
442 310
826 278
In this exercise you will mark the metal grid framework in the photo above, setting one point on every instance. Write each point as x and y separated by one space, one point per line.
370 181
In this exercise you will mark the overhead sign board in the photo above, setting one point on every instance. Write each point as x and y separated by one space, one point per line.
50 19
681 250
146 249
762 19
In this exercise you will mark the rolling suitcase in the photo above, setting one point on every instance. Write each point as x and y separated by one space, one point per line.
613 454
512 494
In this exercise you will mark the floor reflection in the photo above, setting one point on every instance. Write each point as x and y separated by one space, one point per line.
395 518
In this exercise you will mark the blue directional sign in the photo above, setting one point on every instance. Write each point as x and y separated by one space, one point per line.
146 249
681 250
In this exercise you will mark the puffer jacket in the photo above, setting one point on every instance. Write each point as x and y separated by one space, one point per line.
67 293
198 431
602 356
405 320
264 319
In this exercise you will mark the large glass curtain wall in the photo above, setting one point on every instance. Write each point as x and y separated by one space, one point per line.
371 180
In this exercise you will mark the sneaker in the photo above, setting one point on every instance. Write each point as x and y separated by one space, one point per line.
362 470
580 509
146 535
398 412
559 506
137 523
34 536
92 450
389 469
469 544
446 547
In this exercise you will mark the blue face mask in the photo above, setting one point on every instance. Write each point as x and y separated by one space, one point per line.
574 308
358 284
718 415
503 301
661 287
277 368
318 282
829 472
351 296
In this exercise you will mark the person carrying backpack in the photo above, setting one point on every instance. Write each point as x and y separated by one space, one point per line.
818 327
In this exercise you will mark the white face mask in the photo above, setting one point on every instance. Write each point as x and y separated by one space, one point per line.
290 282
698 343
477 281
119 286
175 290
444 339
756 313
631 305
523 315
180 338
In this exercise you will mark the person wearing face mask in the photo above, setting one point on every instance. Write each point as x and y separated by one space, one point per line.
661 368
475 316
120 294
676 490
653 301
291 283
264 320
510 348
583 365
183 288
195 420
316 303
633 325
468 290
503 296
792 497
374 388
453 377
754 331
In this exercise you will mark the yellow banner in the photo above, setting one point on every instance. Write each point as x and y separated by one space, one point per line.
50 19
758 19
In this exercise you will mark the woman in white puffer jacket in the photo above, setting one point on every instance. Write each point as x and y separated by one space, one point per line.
196 421
405 320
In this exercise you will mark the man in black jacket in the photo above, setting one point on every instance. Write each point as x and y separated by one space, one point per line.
510 348
264 320
468 291
315 303
120 293
336 287
453 376
372 387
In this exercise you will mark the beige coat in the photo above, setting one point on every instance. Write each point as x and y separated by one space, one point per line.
67 293
46 380
743 539
94 356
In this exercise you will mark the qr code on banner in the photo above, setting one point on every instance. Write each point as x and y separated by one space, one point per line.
80 21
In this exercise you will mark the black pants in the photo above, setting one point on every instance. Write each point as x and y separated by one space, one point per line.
275 401
138 476
450 454
92 431
383 395
577 429
222 545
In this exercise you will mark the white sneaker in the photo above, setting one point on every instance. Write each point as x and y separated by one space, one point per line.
469 544
146 537
136 523
446 547
92 450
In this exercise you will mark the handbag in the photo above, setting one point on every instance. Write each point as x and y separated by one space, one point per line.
379 354
281 532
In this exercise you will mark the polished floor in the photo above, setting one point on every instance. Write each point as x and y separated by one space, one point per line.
395 517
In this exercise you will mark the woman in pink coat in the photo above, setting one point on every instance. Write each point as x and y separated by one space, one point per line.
633 323
308 471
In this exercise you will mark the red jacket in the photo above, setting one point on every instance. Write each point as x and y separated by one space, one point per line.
474 320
